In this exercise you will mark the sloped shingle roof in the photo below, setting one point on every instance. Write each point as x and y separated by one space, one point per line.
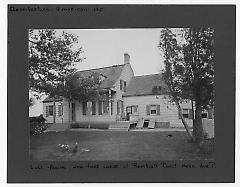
111 74
143 85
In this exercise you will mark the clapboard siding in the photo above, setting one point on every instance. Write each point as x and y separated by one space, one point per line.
168 110
59 119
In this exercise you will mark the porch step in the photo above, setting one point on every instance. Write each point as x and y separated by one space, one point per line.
120 125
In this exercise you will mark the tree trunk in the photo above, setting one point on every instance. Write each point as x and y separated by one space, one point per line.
197 125
182 119
54 110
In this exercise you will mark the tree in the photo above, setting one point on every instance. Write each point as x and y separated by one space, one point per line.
198 58
189 70
173 65
31 101
52 58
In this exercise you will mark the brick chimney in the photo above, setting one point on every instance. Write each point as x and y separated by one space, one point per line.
126 58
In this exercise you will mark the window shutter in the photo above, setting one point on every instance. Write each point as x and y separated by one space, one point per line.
100 107
122 107
84 108
121 84
158 109
125 86
118 107
111 107
148 110
59 110
47 111
190 114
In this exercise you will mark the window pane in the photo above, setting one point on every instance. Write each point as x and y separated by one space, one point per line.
50 109
204 115
100 107
185 115
84 108
105 107
153 111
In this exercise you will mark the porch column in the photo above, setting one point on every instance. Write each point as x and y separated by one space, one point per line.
110 102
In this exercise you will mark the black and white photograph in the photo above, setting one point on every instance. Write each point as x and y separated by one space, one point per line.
112 93
121 94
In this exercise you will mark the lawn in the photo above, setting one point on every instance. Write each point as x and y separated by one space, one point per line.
115 145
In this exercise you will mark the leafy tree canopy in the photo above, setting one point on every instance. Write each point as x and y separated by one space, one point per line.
52 58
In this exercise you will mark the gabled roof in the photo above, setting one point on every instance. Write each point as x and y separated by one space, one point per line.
144 85
111 74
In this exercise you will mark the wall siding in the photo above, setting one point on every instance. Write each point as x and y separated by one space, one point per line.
59 119
168 110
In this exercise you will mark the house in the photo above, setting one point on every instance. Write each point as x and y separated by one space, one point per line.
131 98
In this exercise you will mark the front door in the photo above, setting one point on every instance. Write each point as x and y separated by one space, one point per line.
73 112
128 111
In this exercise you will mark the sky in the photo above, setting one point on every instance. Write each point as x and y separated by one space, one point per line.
106 47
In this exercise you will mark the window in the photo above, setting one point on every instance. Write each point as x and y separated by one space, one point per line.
100 107
125 86
84 108
119 107
60 110
153 109
93 108
121 84
135 109
187 113
50 110
204 114
105 107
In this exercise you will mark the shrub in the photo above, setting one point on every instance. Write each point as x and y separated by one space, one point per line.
99 125
92 125
37 125
79 125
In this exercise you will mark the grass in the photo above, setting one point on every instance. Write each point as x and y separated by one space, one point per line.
115 145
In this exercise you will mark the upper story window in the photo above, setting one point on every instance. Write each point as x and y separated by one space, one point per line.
123 85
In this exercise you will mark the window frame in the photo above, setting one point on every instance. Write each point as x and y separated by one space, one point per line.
52 110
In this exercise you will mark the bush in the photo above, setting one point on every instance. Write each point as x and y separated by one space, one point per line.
37 125
99 125
92 125
79 125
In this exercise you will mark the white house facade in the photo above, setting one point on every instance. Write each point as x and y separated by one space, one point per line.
131 98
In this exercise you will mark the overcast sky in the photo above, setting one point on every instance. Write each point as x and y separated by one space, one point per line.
106 48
